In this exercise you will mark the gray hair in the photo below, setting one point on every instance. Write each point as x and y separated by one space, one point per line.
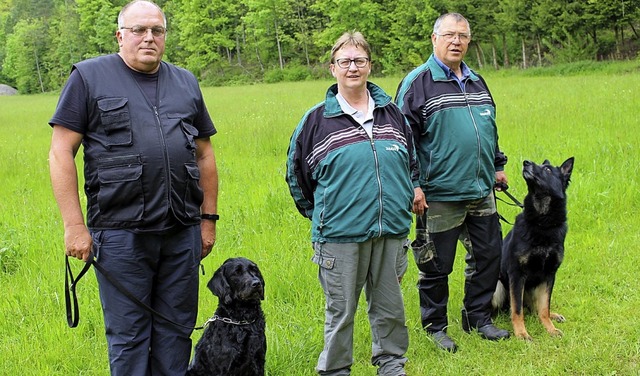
128 5
354 38
456 16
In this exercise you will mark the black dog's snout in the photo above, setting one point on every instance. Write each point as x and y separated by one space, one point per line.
526 163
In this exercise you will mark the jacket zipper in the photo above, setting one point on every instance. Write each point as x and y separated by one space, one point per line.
375 158
475 126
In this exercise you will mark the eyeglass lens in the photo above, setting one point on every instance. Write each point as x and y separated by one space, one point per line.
450 37
360 62
138 30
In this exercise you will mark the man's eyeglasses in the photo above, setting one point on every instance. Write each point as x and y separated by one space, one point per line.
450 37
345 63
140 31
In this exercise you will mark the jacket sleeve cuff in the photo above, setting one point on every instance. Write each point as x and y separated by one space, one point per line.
500 160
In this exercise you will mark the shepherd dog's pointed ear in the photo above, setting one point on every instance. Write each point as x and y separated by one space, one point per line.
219 285
567 169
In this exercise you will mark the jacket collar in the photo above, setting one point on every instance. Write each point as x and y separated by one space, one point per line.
332 107
440 74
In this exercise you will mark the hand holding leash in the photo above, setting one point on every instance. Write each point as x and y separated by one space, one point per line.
501 178
77 242
500 186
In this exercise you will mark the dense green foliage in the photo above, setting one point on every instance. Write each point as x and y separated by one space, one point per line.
246 41
591 117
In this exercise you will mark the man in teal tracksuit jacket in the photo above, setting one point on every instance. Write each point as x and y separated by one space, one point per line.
452 115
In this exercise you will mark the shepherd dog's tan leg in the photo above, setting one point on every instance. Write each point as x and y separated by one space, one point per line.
542 298
517 314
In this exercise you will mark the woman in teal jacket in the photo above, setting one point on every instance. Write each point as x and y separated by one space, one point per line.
353 171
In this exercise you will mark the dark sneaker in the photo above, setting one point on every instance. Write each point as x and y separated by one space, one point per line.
490 332
443 341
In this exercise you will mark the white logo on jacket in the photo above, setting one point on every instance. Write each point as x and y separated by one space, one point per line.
393 148
485 113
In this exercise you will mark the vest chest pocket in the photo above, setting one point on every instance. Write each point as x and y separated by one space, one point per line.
193 193
114 116
189 131
120 196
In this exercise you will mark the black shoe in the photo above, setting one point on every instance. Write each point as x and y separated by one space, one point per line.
490 332
443 341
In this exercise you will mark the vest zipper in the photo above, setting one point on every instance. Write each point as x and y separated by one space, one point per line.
165 154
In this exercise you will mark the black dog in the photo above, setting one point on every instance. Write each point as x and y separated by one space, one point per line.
533 250
234 342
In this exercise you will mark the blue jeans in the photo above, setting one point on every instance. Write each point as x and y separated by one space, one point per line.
161 270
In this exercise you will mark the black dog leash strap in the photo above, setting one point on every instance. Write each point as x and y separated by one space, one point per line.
73 313
504 188
70 295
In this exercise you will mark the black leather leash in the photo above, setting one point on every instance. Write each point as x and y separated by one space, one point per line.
504 188
71 299
70 282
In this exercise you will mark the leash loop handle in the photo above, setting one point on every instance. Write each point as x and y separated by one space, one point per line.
70 294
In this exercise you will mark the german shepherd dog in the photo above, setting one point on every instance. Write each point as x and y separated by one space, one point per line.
533 250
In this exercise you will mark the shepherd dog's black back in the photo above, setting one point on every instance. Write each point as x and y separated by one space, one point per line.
233 342
534 249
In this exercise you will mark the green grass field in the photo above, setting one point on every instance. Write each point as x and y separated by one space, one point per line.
593 118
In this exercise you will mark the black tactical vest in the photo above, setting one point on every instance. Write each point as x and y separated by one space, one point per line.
139 158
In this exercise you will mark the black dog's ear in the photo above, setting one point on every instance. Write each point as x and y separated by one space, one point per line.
567 169
219 285
259 275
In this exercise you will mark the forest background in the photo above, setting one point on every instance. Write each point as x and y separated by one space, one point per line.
245 41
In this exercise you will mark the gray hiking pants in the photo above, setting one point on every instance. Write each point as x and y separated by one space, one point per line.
344 270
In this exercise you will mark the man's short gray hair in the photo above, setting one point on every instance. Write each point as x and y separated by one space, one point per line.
456 16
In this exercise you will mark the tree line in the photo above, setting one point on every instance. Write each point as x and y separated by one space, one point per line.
243 41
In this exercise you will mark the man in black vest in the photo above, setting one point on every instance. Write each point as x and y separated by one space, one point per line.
151 185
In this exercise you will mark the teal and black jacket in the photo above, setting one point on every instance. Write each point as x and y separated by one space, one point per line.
455 132
351 186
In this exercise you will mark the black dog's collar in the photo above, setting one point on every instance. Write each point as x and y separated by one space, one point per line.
227 320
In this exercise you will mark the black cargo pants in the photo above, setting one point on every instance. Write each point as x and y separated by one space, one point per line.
476 224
